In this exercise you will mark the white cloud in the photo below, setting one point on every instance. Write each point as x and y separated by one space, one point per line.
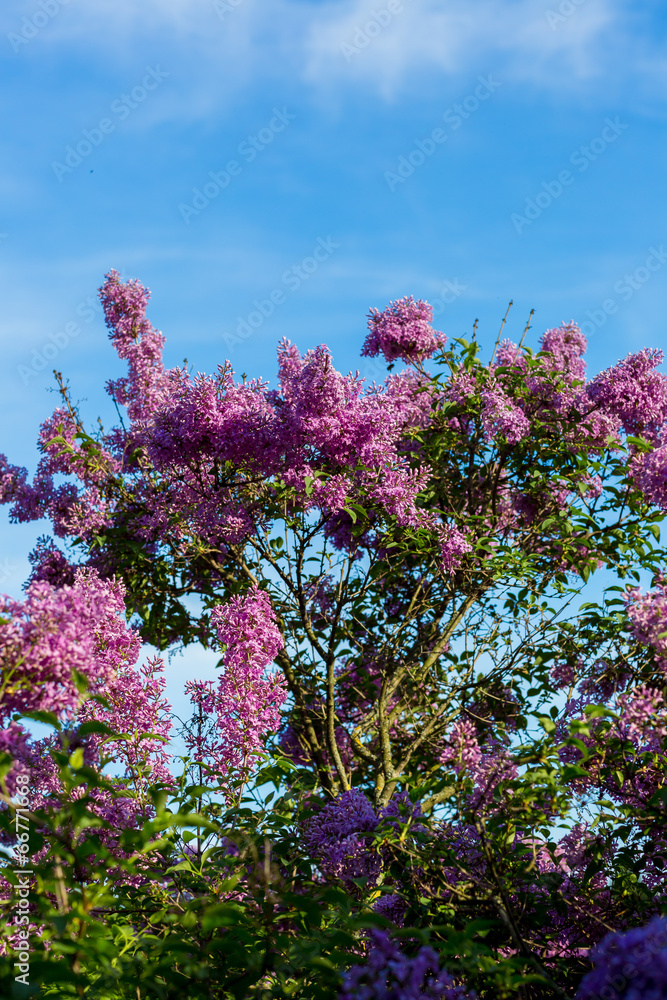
386 47
368 44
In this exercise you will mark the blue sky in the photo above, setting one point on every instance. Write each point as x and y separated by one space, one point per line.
334 155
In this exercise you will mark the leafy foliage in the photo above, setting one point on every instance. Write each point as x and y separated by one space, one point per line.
456 784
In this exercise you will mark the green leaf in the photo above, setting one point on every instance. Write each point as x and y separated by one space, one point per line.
547 724
48 718
95 726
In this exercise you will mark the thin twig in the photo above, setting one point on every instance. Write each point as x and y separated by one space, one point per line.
500 331
526 328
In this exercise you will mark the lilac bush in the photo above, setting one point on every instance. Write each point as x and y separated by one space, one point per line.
631 966
462 742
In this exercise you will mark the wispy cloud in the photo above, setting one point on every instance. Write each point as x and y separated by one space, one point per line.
314 42
452 38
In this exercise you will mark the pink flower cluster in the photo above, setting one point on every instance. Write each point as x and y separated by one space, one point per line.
647 614
634 392
136 341
487 765
642 717
402 330
57 633
311 433
567 345
73 510
501 418
68 651
463 752
246 704
649 471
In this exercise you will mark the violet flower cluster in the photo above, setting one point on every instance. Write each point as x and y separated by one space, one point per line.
339 837
630 966
389 974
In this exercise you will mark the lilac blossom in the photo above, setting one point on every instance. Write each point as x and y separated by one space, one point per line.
502 418
642 716
54 633
508 354
389 974
392 907
634 392
338 837
50 564
402 330
454 546
136 341
247 701
69 651
647 614
463 751
630 966
649 471
567 345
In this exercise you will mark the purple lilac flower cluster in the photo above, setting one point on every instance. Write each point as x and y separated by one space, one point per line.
338 837
648 618
402 330
137 342
631 966
246 704
501 418
567 344
69 651
389 974
634 392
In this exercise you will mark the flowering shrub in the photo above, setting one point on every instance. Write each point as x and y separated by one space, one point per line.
390 975
629 965
431 745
